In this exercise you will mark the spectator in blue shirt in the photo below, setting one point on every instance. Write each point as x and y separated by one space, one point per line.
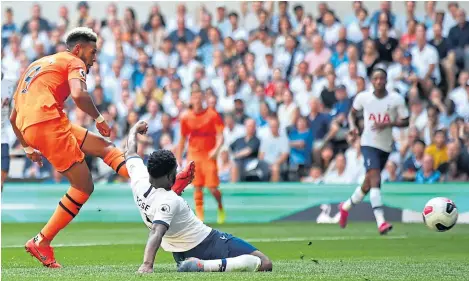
9 27
181 33
339 56
414 162
301 140
427 174
385 8
214 44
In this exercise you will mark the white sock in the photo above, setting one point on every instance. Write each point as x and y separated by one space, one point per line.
243 263
377 205
356 198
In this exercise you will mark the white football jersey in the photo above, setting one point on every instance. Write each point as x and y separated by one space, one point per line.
157 205
375 110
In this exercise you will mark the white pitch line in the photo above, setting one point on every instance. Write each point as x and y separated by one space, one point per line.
251 240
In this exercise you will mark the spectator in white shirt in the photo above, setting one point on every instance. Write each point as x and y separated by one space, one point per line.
426 60
353 56
265 72
236 32
181 12
34 36
303 98
354 31
165 57
232 130
351 80
112 82
250 18
338 173
288 111
331 29
153 117
458 95
187 69
288 58
261 46
297 84
274 150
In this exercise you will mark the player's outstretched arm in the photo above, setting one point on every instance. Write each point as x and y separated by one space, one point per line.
83 100
153 244
140 128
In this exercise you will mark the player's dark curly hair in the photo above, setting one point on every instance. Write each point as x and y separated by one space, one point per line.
160 163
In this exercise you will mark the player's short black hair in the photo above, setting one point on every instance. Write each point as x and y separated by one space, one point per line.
379 69
160 163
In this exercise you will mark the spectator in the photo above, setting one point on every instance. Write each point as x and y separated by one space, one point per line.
156 32
300 142
331 29
153 117
236 32
353 57
338 173
432 125
288 111
385 44
371 56
214 44
315 176
458 164
289 57
245 151
408 39
414 162
438 150
43 24
274 150
225 166
354 28
239 115
318 56
383 14
427 173
390 173
8 27
182 33
339 56
328 93
166 128
282 13
410 17
458 39
222 22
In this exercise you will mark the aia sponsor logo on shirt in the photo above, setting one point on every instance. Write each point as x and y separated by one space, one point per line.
379 118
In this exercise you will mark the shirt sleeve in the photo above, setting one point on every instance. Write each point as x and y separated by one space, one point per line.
76 70
357 103
165 211
219 126
285 146
137 170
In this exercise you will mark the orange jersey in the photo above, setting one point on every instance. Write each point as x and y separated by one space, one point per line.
43 88
201 129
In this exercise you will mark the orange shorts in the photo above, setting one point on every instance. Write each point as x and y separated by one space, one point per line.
206 173
58 140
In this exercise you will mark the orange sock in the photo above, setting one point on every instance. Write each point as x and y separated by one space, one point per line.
115 159
199 203
68 208
217 194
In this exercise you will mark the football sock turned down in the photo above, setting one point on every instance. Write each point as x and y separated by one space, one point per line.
356 198
68 208
199 203
115 159
243 263
377 205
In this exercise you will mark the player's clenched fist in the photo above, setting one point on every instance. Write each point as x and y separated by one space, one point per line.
141 127
103 128
35 156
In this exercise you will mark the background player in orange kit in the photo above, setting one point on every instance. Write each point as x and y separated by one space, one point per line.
204 129
43 128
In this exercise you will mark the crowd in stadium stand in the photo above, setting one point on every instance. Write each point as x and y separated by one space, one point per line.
283 82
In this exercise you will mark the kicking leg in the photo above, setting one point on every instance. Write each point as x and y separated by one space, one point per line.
94 145
377 203
357 197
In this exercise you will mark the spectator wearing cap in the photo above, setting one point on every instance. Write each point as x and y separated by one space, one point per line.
438 150
214 44
236 32
426 60
274 150
354 29
427 173
319 56
458 162
8 27
181 33
339 56
36 16
413 163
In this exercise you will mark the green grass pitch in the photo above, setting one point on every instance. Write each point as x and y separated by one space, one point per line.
300 251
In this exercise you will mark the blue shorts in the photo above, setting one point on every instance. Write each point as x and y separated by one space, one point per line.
5 157
217 245
374 158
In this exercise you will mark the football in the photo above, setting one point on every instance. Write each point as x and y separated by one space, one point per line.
440 214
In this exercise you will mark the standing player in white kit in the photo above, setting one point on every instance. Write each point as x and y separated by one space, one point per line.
382 112
173 225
